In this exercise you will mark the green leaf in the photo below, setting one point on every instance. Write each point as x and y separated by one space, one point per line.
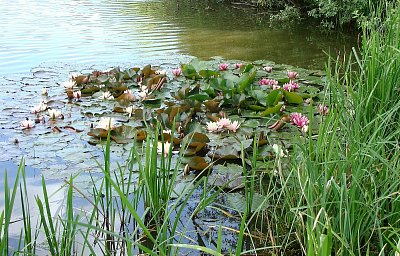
274 97
271 110
207 73
199 97
292 97
246 80
103 78
189 71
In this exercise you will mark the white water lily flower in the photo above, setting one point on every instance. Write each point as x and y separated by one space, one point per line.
39 108
165 145
69 84
233 126
44 91
130 110
106 96
213 127
54 113
143 94
128 92
161 72
106 123
167 131
27 124
279 151
77 94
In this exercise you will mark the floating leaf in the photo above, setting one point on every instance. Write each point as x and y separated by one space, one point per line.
271 110
198 163
228 177
292 97
274 97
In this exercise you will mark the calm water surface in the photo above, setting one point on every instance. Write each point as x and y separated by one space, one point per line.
99 31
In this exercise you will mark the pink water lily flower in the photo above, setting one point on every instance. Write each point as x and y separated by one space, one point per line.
299 120
233 126
291 86
27 124
238 65
323 110
224 122
177 72
213 127
270 82
223 66
292 75
268 69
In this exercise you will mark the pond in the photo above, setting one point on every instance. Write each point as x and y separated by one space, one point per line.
115 32
45 42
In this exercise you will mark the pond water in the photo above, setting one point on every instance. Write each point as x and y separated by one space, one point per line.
113 32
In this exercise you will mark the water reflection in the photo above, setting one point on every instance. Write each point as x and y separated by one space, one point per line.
101 31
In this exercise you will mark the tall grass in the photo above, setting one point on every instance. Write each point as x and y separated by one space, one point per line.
346 184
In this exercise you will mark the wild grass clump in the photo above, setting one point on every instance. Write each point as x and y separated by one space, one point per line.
344 184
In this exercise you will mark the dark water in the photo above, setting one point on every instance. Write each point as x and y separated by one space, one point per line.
113 32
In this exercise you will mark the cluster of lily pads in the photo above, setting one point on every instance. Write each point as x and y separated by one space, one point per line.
217 108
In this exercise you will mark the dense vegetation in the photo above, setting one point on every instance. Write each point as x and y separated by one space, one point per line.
330 13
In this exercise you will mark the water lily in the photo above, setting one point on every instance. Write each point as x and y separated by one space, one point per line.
27 124
233 126
54 113
177 72
268 69
166 146
39 108
223 66
300 121
224 122
275 87
130 110
323 110
291 86
77 94
106 96
266 81
278 150
144 93
69 84
292 75
161 72
238 65
213 127
106 123
44 91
